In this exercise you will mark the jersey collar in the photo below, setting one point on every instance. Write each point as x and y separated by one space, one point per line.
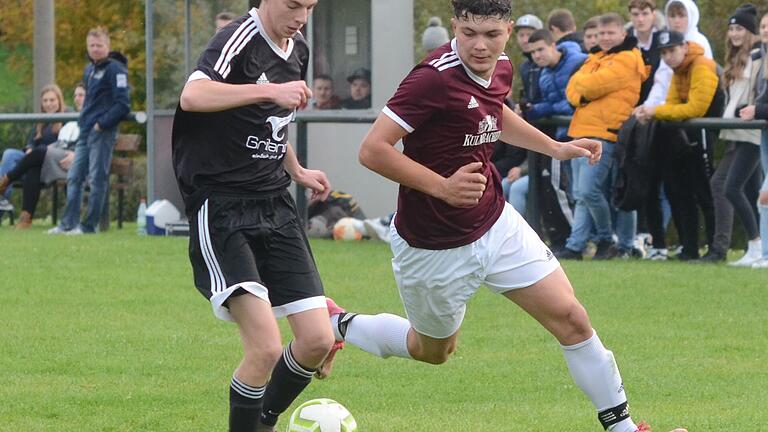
482 82
279 51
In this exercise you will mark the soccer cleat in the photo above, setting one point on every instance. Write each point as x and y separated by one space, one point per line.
644 427
377 230
324 370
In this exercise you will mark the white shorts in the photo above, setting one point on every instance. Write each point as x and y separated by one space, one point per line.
435 285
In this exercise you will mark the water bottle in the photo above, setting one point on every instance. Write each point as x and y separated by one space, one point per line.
141 218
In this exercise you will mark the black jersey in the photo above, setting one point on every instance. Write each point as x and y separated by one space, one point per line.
238 151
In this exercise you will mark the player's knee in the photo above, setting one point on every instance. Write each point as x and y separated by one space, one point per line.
437 356
263 359
315 347
575 324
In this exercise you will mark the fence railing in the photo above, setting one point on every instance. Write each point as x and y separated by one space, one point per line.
135 116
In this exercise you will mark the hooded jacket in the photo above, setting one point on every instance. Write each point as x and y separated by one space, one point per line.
553 82
107 100
693 87
692 34
606 90
741 93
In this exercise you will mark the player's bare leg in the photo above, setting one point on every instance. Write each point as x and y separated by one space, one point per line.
552 302
294 369
261 349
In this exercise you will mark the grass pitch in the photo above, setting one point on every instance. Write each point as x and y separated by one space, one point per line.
107 333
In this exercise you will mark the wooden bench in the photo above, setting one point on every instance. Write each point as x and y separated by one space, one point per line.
126 147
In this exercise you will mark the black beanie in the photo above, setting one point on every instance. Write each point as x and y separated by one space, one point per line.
745 16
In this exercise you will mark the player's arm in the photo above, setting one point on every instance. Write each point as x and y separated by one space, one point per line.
206 95
378 153
520 133
315 180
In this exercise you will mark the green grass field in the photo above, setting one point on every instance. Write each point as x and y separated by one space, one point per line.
107 333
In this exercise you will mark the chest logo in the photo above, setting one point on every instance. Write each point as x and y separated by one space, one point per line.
278 124
262 79
472 103
487 132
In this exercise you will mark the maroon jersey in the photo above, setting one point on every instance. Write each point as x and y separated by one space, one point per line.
453 118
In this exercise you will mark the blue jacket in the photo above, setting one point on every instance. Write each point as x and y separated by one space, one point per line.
107 100
554 81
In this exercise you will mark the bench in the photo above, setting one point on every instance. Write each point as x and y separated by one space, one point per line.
126 147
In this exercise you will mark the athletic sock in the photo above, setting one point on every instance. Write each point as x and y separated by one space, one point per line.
594 370
245 403
289 379
382 335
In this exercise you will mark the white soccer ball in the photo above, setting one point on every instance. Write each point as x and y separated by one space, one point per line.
321 415
348 229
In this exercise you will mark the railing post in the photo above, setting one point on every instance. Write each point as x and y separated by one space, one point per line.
301 155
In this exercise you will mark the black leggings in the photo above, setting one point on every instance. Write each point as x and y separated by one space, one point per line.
742 186
29 167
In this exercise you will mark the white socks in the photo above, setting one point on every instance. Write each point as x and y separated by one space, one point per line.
594 370
382 335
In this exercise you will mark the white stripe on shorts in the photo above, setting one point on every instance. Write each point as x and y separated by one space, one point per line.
218 283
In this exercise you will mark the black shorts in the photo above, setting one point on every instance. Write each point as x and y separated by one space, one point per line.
257 245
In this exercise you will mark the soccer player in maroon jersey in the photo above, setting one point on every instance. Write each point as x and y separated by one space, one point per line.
453 230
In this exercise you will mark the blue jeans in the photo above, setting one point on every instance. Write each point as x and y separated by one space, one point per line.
516 193
93 156
592 206
10 158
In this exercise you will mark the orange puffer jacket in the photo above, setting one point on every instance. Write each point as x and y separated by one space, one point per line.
605 90
692 89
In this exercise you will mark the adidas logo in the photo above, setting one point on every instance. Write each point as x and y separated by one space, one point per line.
472 103
262 79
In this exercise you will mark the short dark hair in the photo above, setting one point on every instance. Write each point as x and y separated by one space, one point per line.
324 77
612 18
542 35
642 4
591 23
225 16
80 84
561 19
483 8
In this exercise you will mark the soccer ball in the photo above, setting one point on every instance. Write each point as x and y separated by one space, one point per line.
321 415
347 229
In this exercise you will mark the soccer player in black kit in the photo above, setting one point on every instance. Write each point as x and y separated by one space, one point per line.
248 249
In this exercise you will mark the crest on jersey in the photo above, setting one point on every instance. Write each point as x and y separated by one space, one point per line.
488 124
278 124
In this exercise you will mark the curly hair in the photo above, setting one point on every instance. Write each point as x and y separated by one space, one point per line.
501 9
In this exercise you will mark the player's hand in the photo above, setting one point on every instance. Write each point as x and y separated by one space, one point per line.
314 180
588 148
292 95
465 187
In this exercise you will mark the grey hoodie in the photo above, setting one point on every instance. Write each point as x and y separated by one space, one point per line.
692 34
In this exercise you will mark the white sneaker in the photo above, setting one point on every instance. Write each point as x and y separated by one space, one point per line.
657 254
377 230
762 264
74 231
5 205
55 230
753 255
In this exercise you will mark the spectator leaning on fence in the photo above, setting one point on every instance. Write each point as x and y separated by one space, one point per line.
740 171
760 111
42 134
604 91
686 181
106 104
529 72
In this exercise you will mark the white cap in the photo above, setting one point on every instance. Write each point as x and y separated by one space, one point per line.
530 21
